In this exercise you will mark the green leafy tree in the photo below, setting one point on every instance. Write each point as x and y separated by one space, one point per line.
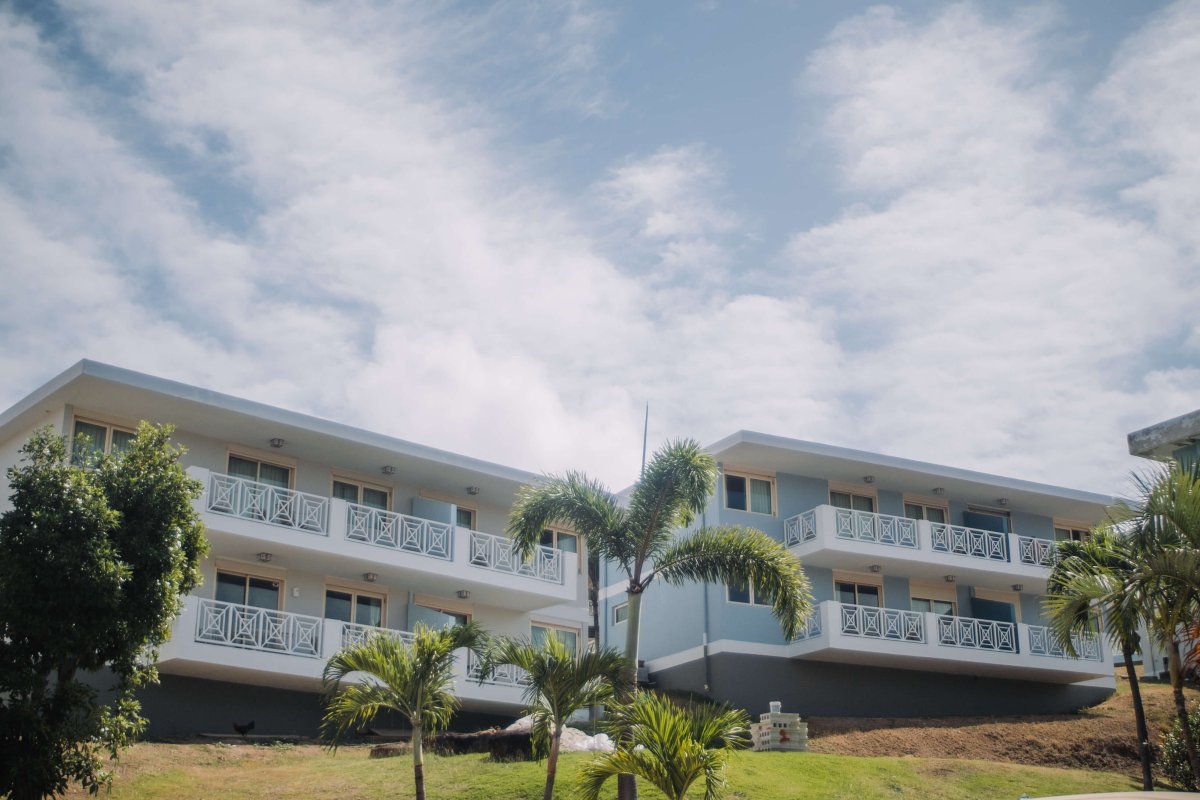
413 678
1092 581
669 745
558 683
640 539
93 561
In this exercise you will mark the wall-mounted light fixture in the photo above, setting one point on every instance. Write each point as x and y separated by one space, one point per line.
388 469
950 578
875 568
277 443
1002 501
264 557
939 491
370 577
1017 587
473 490
463 594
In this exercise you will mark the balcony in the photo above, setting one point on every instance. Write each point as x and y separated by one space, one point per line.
284 518
825 535
922 640
226 641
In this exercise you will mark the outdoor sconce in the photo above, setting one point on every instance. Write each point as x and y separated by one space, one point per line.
264 557
277 443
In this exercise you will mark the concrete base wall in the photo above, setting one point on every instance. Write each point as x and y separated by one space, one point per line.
813 688
182 708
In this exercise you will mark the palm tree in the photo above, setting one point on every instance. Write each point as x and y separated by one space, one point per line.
670 746
558 684
1164 520
640 539
414 678
1092 578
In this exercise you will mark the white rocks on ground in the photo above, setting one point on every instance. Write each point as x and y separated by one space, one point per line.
573 739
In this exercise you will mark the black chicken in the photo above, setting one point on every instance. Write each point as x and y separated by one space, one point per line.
244 729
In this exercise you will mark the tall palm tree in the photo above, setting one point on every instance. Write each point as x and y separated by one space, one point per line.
640 539
1092 579
414 678
1164 519
670 746
558 683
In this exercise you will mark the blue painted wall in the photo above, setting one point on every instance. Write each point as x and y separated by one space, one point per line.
891 503
798 494
895 592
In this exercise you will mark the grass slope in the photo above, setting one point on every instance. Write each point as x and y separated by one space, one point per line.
184 772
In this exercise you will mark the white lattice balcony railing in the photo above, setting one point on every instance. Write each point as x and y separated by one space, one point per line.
1039 552
499 554
882 623
502 675
800 528
250 628
978 634
242 497
1043 643
812 625
865 526
973 542
354 633
399 532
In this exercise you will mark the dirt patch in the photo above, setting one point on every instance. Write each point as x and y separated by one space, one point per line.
1099 738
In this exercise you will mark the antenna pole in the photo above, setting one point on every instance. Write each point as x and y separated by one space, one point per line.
645 435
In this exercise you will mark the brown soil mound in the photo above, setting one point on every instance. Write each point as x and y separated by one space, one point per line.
1100 738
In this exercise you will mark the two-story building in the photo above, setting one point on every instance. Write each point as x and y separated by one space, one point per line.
927 579
320 534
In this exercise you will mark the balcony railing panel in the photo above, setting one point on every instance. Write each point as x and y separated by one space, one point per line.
242 497
1039 552
865 526
263 629
973 542
499 553
882 623
977 634
800 528
1043 643
812 625
394 531
353 633
503 675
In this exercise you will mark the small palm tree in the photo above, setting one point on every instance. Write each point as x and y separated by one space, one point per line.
1092 579
559 683
414 678
669 745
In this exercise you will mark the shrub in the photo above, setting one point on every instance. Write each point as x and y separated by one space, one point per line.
1175 766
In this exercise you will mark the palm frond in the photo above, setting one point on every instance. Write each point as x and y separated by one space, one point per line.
740 556
577 501
672 490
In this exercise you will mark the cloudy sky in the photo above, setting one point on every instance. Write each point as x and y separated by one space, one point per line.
963 233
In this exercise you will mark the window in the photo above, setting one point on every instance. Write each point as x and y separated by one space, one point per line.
464 517
248 590
567 636
987 519
925 511
1070 534
349 605
852 501
360 493
747 493
261 471
858 594
92 438
560 540
620 613
747 593
944 608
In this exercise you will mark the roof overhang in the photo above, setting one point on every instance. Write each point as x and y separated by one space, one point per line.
1163 438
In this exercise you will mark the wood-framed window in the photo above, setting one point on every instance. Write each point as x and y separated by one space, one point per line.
248 589
748 492
858 590
568 636
620 613
360 493
354 605
255 469
850 499
747 594
90 438
464 517
1071 532
928 510
938 598
560 540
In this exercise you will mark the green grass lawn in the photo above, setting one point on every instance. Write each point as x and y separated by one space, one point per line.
181 772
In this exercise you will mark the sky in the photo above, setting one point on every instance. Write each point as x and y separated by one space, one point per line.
964 233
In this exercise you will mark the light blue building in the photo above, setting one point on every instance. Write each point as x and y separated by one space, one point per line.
927 580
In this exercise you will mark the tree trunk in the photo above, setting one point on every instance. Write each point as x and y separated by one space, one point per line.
1181 708
1139 715
418 761
552 762
627 784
